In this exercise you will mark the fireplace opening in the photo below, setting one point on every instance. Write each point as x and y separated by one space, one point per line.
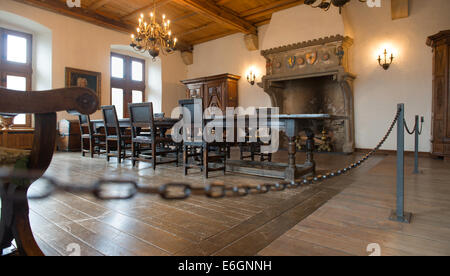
316 95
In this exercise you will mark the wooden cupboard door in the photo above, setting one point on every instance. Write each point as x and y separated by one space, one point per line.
232 94
195 91
214 96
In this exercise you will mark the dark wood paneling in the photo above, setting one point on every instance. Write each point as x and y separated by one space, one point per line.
16 138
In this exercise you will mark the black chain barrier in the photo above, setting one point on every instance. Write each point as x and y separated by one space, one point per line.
105 189
416 127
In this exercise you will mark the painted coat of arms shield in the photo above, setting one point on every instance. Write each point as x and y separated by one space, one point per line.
311 57
291 62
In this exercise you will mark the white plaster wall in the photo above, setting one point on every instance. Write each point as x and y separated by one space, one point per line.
377 92
408 81
78 44
301 23
172 72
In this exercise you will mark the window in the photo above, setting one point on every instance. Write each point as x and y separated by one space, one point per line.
16 66
127 82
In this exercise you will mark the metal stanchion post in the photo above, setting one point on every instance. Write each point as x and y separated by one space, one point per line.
416 147
399 214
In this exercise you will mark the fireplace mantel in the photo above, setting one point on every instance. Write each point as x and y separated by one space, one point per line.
323 65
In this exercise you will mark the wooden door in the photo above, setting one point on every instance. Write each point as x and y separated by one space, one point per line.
440 43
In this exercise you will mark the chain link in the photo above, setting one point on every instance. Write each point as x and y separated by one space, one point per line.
407 129
416 127
106 189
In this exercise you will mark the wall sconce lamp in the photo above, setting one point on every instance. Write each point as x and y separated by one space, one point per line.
386 63
251 78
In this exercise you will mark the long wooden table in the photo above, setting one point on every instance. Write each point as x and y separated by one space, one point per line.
291 126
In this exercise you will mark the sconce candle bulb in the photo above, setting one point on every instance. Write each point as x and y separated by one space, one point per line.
251 78
386 63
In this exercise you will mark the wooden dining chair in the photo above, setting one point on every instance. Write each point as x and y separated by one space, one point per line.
15 223
147 142
89 137
194 144
116 138
253 148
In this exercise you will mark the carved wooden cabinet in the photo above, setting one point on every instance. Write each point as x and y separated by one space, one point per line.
441 94
216 91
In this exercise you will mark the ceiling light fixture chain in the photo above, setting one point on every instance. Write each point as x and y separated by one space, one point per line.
326 4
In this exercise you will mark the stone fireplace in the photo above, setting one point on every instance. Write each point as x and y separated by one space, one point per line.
313 77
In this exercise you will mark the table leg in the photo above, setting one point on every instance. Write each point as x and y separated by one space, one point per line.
310 149
291 171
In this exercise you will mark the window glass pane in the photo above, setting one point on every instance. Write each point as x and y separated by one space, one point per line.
16 49
16 83
20 119
20 84
138 96
136 70
117 100
117 67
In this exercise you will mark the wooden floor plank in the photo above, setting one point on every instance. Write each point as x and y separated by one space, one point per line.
358 216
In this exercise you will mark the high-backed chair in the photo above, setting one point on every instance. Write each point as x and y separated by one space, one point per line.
147 143
15 224
115 135
90 137
254 147
194 145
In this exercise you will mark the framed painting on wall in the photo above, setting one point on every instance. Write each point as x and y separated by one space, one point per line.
84 78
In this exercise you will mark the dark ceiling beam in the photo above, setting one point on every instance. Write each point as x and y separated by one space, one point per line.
80 13
219 14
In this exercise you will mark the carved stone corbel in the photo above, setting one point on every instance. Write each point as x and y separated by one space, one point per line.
188 57
251 42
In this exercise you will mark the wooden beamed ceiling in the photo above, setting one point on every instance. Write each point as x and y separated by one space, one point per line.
193 21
